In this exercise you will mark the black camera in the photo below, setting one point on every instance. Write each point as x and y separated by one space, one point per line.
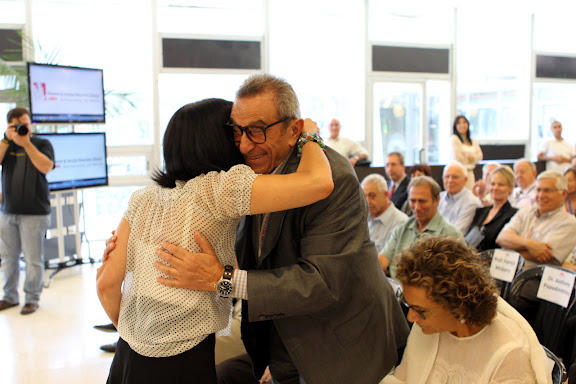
22 129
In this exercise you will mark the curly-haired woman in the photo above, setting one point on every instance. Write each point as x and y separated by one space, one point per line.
462 332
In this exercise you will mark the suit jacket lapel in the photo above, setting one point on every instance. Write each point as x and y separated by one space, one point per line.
273 230
276 219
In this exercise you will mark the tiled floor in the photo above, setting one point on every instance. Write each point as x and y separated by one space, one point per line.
58 343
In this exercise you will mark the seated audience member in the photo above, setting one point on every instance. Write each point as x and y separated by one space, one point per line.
350 149
424 193
457 203
463 332
544 234
489 221
421 169
416 170
556 152
480 188
397 179
524 195
570 261
384 216
570 203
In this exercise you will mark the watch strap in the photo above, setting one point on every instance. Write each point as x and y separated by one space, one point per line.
228 272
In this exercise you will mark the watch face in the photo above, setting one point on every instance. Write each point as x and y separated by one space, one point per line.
224 288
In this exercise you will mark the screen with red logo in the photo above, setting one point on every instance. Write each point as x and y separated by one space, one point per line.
62 94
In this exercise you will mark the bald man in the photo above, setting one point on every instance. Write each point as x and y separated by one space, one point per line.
457 203
351 150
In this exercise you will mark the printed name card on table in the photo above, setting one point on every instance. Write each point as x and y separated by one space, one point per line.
504 264
556 286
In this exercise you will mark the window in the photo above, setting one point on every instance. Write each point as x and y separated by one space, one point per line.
321 57
493 67
73 33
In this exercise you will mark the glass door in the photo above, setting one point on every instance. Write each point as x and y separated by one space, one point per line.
412 118
398 119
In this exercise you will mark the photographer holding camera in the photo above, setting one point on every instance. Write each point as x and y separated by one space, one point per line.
25 208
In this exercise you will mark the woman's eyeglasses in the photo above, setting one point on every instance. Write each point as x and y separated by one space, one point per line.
419 312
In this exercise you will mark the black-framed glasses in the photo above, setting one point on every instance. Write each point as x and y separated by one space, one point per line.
419 312
255 133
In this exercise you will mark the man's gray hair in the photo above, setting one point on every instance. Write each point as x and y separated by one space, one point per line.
378 180
430 182
490 164
560 180
286 101
524 160
457 164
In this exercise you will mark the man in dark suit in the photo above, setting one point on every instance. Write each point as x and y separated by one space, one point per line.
317 308
397 179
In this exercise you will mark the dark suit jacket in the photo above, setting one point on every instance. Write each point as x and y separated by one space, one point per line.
492 229
318 287
400 193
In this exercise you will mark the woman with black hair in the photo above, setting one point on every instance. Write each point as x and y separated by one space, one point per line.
465 149
167 334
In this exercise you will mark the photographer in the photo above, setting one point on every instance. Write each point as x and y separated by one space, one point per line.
25 208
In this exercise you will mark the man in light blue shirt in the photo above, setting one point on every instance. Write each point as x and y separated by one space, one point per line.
384 216
423 195
457 203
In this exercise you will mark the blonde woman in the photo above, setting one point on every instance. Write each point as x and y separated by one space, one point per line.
489 221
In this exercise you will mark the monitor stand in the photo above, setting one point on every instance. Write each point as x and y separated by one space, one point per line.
68 238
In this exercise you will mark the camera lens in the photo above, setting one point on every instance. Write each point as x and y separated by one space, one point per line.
21 129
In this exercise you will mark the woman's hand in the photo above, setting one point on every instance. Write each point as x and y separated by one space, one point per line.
310 126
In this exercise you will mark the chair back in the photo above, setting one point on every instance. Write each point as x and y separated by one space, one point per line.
396 287
546 318
504 286
559 374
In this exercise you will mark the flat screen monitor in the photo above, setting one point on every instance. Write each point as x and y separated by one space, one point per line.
62 94
80 160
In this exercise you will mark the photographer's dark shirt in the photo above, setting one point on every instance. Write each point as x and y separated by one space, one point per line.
24 188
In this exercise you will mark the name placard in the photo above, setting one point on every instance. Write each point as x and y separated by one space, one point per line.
556 286
504 264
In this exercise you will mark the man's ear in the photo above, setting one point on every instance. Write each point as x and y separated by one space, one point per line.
295 129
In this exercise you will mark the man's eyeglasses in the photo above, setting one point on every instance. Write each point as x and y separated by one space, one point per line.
419 312
256 134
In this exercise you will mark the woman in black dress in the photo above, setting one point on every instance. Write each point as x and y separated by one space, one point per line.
489 221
